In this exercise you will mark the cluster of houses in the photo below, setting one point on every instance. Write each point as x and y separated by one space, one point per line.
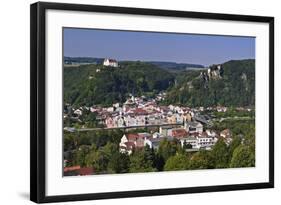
137 111
191 134
141 111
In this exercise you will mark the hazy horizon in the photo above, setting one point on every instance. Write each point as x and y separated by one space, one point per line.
123 60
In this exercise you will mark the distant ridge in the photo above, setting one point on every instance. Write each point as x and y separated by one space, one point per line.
176 66
170 66
81 60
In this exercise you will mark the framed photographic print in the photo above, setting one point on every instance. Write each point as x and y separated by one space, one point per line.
129 102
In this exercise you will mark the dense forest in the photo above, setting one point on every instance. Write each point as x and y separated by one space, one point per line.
84 86
236 87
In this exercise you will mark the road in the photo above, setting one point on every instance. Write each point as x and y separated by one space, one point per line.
233 118
128 127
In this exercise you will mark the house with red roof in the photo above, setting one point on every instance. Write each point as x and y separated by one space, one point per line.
78 171
226 135
109 122
132 141
179 133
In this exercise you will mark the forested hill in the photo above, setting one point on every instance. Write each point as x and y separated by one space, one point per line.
235 87
83 85
176 67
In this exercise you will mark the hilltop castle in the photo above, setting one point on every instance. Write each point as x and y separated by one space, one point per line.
213 72
110 62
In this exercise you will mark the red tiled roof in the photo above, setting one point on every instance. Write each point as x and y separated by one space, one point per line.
179 133
132 137
140 111
194 134
86 171
204 134
225 132
129 144
127 109
135 140
73 168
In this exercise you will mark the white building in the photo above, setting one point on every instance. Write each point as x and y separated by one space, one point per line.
78 112
110 62
165 130
130 121
133 141
157 135
193 141
110 109
194 127
205 141
153 142
120 122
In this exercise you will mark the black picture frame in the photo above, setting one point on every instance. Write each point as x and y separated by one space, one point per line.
38 101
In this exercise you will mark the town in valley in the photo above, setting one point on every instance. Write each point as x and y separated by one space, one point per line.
142 101
148 129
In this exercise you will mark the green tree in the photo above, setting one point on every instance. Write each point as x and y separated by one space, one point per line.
80 155
159 162
220 154
233 145
118 163
70 141
97 160
186 145
149 154
140 162
177 162
201 160
168 148
243 156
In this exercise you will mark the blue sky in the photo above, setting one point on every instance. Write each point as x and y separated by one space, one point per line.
150 46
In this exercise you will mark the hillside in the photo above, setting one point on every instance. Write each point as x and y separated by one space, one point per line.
236 87
84 86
